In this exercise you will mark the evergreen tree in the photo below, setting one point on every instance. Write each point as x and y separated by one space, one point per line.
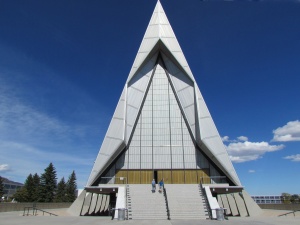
25 193
36 184
71 188
61 191
21 195
29 186
1 187
48 182
29 192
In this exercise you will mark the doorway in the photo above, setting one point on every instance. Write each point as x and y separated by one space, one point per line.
155 176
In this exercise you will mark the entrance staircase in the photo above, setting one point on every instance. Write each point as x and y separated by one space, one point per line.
185 201
143 204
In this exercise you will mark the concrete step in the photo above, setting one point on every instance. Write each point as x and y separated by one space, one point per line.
186 202
143 204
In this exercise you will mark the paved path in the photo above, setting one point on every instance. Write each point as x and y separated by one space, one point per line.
16 218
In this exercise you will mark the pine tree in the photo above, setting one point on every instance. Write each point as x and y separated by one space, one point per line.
71 188
25 194
29 186
36 183
48 182
61 191
1 188
21 195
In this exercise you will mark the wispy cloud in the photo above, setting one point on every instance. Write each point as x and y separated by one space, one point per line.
242 138
288 132
294 158
242 150
43 119
23 121
251 171
25 159
4 167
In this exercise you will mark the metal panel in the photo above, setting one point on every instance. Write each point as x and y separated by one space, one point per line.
183 86
169 39
158 16
99 201
226 204
190 176
146 177
136 93
220 201
86 204
103 203
240 205
177 157
93 204
232 205
152 32
178 177
120 109
107 203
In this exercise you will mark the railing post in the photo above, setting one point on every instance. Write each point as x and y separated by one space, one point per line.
167 204
206 201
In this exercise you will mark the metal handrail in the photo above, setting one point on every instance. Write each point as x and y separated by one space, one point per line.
112 180
206 201
213 179
285 214
34 211
127 189
167 204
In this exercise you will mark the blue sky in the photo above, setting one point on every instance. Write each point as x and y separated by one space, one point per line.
63 65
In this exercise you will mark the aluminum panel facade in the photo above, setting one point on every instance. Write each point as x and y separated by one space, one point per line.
155 118
103 157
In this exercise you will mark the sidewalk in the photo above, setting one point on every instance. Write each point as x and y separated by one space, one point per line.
15 218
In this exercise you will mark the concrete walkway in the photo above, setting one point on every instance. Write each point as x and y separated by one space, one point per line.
15 218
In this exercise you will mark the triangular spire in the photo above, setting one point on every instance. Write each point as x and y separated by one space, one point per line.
160 41
159 28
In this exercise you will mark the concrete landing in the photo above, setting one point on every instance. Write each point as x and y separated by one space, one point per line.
267 218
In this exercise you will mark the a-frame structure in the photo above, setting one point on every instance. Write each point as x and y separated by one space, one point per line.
162 129
161 123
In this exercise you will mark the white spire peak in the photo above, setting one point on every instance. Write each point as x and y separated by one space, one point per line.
159 28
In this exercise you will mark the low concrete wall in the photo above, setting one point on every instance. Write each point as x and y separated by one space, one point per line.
280 206
8 207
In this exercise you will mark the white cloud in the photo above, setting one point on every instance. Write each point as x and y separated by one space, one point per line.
247 151
225 139
294 158
251 171
242 138
289 132
4 167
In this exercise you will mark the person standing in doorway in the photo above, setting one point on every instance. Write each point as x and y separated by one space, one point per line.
153 185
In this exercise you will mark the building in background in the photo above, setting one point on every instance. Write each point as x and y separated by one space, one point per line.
10 187
267 199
